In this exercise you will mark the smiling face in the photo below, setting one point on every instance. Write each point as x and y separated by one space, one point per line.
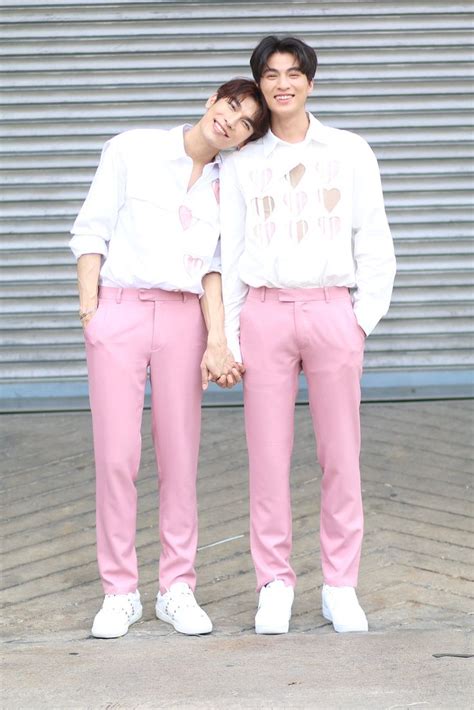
229 122
284 86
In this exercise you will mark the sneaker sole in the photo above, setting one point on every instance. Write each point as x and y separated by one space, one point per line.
133 620
341 628
181 629
261 629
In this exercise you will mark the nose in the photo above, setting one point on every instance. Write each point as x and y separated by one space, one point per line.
232 120
283 82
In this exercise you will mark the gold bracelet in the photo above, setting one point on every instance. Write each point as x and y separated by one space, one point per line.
84 314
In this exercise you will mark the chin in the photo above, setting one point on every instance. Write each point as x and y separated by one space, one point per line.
214 140
282 108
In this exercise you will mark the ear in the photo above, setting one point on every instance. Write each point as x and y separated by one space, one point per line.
211 100
310 86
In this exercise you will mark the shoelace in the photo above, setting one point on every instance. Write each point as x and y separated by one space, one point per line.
179 600
113 603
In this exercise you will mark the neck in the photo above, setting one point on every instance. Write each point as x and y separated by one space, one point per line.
291 129
197 147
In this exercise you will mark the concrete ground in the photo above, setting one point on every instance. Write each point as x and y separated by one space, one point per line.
415 581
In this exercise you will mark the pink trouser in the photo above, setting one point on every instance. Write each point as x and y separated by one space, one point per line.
133 330
282 332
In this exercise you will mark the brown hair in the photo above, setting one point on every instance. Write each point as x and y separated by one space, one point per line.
246 88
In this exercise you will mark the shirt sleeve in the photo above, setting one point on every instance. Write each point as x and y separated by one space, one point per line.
234 290
373 246
96 220
216 262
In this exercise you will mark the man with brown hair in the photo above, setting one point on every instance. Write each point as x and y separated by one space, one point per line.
147 245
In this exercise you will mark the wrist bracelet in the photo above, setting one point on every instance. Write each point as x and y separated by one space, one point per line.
84 314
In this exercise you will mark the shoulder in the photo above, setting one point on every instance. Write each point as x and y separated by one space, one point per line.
248 153
137 138
240 161
345 141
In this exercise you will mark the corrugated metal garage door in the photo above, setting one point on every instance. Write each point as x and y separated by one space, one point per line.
74 74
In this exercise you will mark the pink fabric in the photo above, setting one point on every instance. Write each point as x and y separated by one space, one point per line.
131 331
282 331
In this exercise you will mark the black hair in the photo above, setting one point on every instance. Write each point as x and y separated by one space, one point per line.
304 54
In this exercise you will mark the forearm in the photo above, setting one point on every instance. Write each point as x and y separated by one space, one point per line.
217 362
213 308
88 270
233 225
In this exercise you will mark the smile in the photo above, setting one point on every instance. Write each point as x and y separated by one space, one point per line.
220 129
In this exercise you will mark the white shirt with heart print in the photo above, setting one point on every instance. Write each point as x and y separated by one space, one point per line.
151 231
305 215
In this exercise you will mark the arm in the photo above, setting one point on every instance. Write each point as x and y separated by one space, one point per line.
233 214
94 227
88 270
95 223
373 245
217 362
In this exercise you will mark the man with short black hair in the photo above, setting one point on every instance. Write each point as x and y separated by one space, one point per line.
308 269
146 241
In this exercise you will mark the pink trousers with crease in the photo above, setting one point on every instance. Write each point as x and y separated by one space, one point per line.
135 330
282 332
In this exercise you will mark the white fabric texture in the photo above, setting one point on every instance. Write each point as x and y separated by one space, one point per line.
151 231
305 215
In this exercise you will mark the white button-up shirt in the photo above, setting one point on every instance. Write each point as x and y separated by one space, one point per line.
305 215
151 231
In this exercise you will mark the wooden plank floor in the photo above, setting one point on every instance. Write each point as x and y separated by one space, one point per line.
416 570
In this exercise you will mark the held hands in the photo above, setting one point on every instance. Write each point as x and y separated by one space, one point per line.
227 381
218 365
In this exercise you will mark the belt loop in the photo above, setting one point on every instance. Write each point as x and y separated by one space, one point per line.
326 294
184 296
118 297
263 293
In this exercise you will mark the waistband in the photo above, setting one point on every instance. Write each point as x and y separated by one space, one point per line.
298 294
109 293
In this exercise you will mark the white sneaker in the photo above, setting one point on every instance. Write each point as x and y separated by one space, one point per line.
179 608
340 605
118 612
274 608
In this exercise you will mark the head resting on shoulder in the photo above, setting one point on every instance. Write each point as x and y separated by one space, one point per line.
239 89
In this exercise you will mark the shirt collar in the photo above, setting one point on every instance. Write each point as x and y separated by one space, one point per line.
316 132
175 146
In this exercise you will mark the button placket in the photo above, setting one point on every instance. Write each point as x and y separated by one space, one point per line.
301 323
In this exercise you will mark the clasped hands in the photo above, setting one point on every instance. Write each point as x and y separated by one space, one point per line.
218 365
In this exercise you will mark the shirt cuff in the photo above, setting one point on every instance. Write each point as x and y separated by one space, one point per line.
215 265
234 347
365 318
82 244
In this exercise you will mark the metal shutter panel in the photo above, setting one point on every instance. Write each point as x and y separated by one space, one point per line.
74 74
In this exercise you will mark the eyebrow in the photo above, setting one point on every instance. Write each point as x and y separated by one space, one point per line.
272 69
239 104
